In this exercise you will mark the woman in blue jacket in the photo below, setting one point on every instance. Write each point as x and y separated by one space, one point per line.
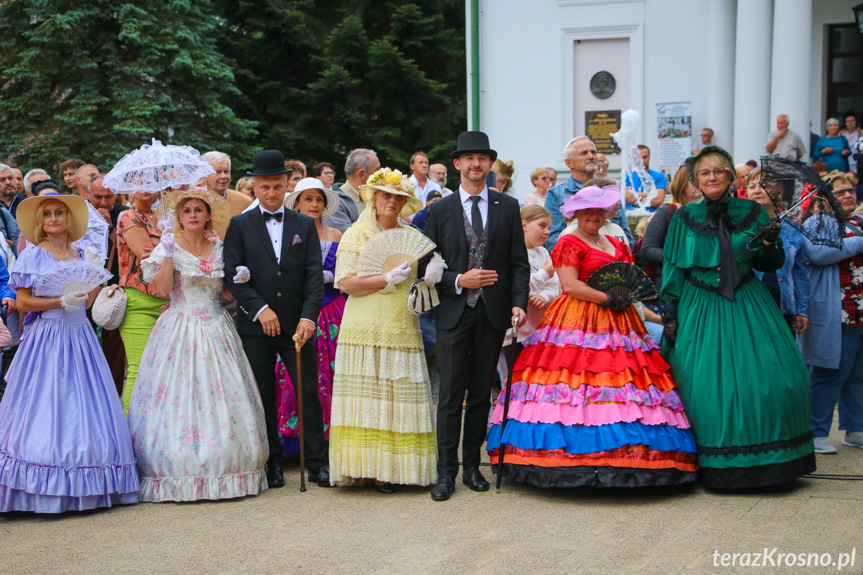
833 345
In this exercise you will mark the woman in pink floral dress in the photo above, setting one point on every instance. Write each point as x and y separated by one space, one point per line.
196 416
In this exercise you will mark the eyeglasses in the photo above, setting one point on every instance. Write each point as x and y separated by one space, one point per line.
717 173
846 192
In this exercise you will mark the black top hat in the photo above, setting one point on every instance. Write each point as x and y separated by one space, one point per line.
476 142
268 163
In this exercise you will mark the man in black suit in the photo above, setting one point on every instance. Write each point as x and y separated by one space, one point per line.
479 234
281 251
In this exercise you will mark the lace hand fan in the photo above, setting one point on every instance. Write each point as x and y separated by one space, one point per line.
71 276
390 249
625 279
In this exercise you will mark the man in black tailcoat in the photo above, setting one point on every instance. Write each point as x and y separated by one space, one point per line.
486 284
281 253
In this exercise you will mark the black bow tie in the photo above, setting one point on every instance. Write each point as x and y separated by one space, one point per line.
269 216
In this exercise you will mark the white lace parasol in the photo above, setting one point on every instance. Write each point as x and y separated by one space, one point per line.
156 167
631 163
96 236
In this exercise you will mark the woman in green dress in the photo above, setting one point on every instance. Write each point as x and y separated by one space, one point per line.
740 374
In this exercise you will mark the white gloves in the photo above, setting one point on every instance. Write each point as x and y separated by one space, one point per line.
434 270
73 300
168 243
243 275
397 276
93 256
329 277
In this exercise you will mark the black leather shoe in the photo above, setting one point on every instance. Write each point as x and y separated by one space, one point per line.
443 489
474 480
320 476
275 477
386 488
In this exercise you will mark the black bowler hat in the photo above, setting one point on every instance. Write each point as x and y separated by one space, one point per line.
268 163
473 142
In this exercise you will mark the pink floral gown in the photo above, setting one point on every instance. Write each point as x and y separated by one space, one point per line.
196 416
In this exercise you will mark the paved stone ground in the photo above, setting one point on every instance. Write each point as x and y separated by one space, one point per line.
520 530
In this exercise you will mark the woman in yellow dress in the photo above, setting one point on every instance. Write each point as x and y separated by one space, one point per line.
381 427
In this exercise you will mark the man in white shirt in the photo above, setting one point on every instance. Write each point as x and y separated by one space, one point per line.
279 289
437 173
420 169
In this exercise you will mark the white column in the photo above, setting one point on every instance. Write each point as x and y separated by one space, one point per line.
720 67
752 78
790 69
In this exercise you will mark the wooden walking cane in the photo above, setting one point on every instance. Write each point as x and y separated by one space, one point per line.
298 385
501 448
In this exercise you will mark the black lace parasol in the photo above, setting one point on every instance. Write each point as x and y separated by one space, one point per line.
802 199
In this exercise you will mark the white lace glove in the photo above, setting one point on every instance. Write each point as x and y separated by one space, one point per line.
243 275
168 243
397 276
73 300
93 256
434 270
329 277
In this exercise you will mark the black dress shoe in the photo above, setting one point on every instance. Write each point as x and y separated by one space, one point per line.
443 489
275 477
474 480
320 476
386 488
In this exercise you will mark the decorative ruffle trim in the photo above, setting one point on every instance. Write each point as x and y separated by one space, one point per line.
589 340
577 439
758 476
589 476
629 456
96 479
599 414
779 445
561 393
685 249
640 379
400 458
366 366
14 500
196 488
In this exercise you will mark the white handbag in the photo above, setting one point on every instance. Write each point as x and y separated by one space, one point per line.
110 307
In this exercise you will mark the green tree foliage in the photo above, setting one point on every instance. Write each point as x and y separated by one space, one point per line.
314 78
99 78
323 77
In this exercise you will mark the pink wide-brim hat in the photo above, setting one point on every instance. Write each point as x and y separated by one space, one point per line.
590 197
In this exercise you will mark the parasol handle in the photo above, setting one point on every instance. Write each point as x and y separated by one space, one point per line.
753 244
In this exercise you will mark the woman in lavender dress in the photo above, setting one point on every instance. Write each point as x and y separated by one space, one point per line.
64 442
310 198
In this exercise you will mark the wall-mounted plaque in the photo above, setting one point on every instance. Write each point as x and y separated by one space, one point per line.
599 126
602 85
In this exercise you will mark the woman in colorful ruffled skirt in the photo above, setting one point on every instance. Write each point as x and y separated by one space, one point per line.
593 403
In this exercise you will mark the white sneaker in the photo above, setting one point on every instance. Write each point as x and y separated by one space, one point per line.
853 439
823 446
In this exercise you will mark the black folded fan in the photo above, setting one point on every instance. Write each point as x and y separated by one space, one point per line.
625 279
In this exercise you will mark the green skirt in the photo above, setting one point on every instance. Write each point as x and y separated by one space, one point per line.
745 388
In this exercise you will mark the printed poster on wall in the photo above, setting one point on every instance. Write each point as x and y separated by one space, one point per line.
674 132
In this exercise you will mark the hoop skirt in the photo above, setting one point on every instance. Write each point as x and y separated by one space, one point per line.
64 441
593 403
196 415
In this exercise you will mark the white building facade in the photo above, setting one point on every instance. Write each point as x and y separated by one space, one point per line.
737 63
